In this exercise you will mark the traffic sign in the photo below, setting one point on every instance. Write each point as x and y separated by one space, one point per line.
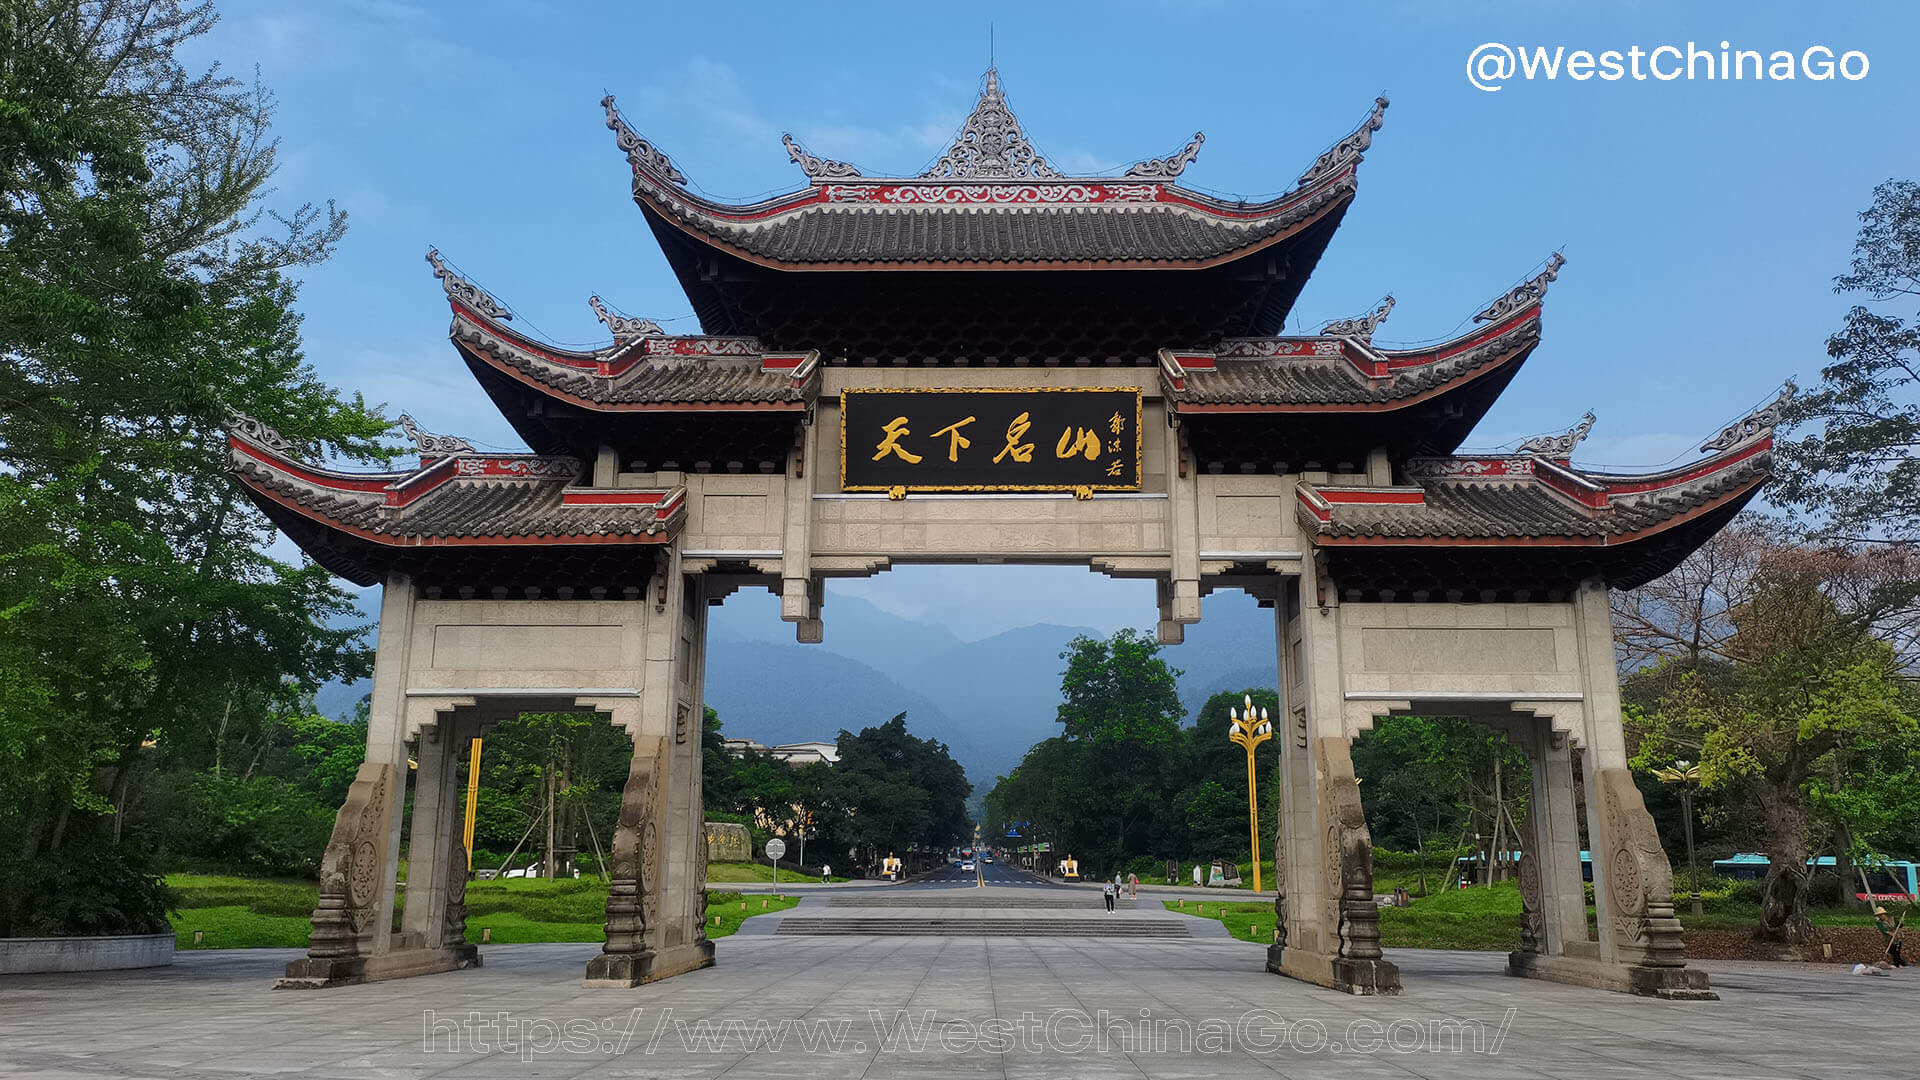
776 848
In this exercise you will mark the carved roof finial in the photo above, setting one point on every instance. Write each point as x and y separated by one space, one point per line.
465 292
816 168
1167 168
640 153
1526 294
1756 424
430 444
1561 445
1349 150
1362 327
258 433
623 327
991 145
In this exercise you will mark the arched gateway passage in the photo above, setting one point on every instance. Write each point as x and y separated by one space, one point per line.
992 362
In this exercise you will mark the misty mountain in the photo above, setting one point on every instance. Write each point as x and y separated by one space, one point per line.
988 700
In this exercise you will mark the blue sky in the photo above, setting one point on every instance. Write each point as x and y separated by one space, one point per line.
1703 221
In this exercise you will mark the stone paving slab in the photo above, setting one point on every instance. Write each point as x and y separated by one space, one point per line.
879 1008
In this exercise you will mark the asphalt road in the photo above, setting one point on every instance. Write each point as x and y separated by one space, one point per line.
993 873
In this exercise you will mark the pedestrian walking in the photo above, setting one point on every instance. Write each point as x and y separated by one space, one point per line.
1133 886
1108 891
826 871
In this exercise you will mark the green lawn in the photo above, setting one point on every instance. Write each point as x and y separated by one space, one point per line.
743 872
1487 918
249 913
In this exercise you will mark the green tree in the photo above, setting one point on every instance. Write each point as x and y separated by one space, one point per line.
1808 691
1856 462
142 296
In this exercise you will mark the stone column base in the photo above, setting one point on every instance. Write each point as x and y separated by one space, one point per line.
1672 983
1358 977
624 970
308 973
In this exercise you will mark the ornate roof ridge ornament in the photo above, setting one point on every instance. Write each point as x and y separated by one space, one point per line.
1525 294
991 145
1561 445
816 168
1756 424
640 153
259 432
1167 168
625 327
428 443
1349 150
465 292
1362 327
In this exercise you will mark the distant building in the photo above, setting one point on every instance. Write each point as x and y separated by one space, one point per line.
798 753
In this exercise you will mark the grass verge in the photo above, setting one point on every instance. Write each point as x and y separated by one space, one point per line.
252 913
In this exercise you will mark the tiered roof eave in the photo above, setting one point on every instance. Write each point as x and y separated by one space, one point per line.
1143 219
356 523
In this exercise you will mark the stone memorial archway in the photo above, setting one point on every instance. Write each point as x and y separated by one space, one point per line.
959 367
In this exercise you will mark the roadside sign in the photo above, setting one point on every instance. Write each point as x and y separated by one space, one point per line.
776 848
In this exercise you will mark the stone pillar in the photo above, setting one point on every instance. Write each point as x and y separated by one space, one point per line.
1552 892
1640 949
1331 924
655 909
353 921
435 919
434 800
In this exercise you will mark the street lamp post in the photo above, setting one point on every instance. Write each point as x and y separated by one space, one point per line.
1249 731
1685 775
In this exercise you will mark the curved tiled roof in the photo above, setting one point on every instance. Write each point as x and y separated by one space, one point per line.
1332 371
1529 498
474 499
993 200
1021 234
642 372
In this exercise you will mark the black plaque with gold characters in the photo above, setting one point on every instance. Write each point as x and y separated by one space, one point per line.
990 439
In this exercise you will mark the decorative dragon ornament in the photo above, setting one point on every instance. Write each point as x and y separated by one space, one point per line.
1362 327
1167 168
465 292
640 153
624 327
1525 294
1349 150
1756 424
817 168
430 444
1561 445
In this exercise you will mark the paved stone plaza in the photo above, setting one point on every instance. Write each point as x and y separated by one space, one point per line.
213 1015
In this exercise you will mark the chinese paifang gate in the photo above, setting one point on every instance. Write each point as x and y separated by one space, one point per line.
992 361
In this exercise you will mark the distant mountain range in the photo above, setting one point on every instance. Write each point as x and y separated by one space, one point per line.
988 700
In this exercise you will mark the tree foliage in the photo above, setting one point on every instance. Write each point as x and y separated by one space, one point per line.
142 295
1784 723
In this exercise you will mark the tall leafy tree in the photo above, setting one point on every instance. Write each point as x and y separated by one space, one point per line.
1807 693
1853 468
143 294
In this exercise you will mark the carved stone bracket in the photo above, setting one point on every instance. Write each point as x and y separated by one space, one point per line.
352 873
1639 879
